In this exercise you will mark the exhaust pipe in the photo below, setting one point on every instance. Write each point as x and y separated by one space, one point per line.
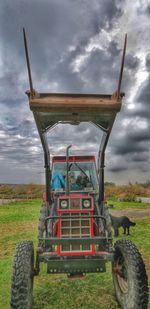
67 169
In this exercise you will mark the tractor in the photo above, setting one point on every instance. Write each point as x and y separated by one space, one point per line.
74 231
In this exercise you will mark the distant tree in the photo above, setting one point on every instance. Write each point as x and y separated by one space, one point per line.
6 190
125 192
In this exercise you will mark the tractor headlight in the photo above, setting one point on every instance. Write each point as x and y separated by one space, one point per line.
86 203
63 204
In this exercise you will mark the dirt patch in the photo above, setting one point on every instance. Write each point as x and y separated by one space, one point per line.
132 213
16 228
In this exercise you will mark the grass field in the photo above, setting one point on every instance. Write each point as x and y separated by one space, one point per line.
19 222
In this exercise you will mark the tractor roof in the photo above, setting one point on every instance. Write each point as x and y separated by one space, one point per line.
50 109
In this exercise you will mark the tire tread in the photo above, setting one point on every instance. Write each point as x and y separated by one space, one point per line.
19 288
138 271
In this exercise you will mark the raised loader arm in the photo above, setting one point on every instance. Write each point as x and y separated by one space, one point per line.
50 109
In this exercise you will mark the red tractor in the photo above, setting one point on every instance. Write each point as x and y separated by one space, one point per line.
75 189
74 232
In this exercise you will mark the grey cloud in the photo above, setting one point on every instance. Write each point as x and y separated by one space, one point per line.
52 28
127 146
55 23
147 62
139 157
132 62
148 10
58 34
130 150
101 70
144 95
99 73
117 169
21 150
140 136
26 129
142 101
113 49
83 134
128 172
131 139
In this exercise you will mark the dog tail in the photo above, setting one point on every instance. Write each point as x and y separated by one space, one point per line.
132 223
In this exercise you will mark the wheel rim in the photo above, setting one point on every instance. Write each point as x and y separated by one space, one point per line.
120 271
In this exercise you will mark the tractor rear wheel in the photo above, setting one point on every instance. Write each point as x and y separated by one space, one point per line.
129 276
108 220
22 277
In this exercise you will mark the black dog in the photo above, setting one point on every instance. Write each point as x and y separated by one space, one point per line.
121 222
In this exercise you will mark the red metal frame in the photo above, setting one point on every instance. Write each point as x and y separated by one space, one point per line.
74 195
74 159
91 211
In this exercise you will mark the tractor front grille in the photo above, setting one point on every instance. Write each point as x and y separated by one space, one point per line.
75 225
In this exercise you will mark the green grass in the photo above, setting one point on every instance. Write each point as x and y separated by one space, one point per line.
25 211
128 205
19 221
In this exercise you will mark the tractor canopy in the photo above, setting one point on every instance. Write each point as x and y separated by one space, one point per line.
50 109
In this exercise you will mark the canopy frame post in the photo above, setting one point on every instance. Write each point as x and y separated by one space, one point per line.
46 151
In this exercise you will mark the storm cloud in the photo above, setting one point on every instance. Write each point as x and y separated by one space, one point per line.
74 47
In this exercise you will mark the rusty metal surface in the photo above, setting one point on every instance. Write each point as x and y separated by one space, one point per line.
28 63
53 108
122 66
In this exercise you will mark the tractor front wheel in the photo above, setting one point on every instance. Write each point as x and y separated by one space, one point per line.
41 226
129 276
22 278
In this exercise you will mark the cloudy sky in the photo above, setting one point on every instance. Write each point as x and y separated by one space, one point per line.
75 46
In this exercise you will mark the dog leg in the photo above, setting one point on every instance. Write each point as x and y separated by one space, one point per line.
128 231
116 232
